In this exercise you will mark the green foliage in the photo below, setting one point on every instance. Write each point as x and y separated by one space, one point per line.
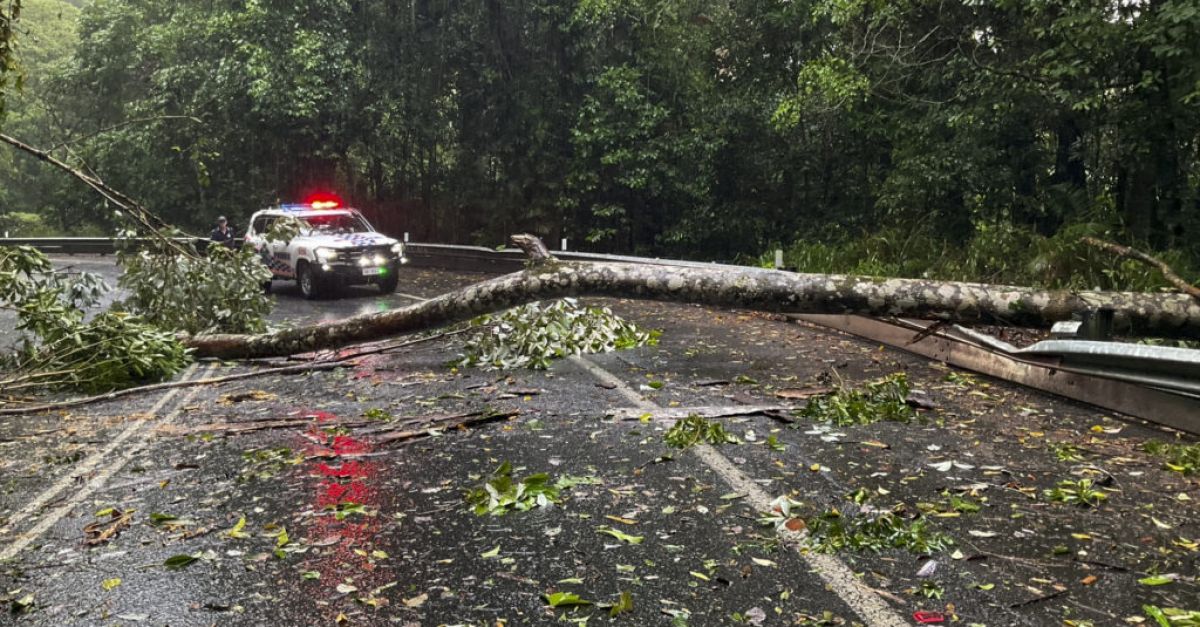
534 335
885 399
265 463
1172 616
1001 253
969 140
10 12
1076 492
111 351
219 292
1066 452
1181 458
61 347
20 224
694 429
501 493
874 531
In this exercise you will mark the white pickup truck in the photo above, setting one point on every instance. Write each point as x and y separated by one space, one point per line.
334 246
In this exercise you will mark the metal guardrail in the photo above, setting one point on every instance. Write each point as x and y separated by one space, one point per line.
86 245
1158 384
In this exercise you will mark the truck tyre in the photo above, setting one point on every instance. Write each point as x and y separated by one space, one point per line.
310 284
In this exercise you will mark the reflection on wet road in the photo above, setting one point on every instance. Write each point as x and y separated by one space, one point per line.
378 533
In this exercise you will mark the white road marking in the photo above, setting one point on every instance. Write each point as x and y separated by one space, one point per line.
838 577
138 431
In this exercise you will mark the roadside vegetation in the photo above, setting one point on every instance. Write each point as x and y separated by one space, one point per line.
974 141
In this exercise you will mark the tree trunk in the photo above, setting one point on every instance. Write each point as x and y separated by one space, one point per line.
1172 315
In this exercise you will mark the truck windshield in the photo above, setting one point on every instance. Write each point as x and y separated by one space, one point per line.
335 223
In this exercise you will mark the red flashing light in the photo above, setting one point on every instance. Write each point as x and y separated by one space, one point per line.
323 200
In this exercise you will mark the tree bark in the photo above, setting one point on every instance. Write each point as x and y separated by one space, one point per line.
1166 315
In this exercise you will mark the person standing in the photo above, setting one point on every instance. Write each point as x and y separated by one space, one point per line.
222 234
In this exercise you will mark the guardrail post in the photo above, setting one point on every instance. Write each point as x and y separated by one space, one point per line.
564 244
778 259
406 237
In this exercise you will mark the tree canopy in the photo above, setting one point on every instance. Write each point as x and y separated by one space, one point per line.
688 128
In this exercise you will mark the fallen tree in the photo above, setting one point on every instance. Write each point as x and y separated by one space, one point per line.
545 278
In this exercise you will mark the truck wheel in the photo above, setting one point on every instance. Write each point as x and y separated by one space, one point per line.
310 283
388 284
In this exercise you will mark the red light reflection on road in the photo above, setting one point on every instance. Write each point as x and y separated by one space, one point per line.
339 480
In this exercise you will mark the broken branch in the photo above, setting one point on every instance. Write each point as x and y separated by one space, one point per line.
1137 255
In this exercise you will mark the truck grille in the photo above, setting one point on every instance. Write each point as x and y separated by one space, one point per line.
352 255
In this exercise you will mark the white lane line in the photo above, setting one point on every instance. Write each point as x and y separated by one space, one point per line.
139 431
838 577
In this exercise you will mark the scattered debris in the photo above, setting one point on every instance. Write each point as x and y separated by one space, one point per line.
707 411
501 494
1078 492
534 335
99 532
884 399
694 430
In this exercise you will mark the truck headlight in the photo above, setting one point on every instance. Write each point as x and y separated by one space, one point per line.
325 254
398 249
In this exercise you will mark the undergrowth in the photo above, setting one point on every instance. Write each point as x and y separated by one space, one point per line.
534 335
996 252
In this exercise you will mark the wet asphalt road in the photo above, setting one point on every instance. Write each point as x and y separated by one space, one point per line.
407 551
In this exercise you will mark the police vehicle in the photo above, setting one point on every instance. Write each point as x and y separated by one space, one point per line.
334 246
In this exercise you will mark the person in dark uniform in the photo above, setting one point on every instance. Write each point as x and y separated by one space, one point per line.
222 234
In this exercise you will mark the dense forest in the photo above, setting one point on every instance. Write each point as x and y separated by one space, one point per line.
955 138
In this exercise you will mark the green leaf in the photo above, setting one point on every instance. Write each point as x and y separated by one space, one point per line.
158 519
236 531
282 539
109 584
564 599
490 554
1157 614
623 537
176 562
1156 580
624 604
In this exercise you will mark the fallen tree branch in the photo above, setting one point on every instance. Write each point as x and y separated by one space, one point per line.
146 219
404 436
428 422
1166 315
108 396
343 361
1137 255
708 411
